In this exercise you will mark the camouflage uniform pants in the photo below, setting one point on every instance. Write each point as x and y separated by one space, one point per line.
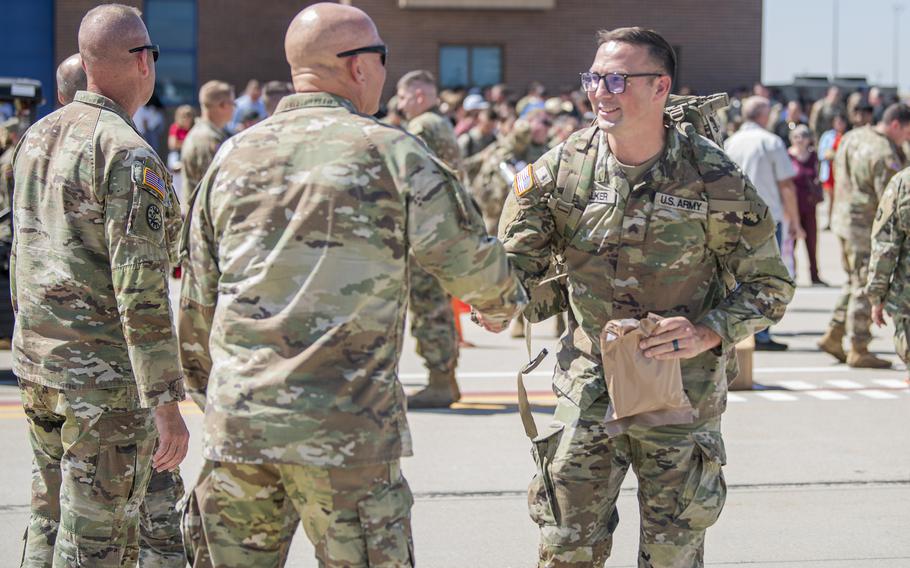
853 309
432 321
92 463
197 550
355 517
580 470
160 540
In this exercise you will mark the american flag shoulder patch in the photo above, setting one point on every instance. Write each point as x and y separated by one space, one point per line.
153 183
524 181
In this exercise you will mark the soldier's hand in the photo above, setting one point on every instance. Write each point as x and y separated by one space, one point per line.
690 340
173 437
878 314
489 325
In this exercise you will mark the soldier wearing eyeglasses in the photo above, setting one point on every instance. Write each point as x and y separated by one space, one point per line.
646 217
95 226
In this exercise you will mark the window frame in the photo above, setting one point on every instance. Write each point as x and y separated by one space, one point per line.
470 49
193 51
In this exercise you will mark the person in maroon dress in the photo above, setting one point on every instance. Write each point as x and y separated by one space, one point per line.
808 192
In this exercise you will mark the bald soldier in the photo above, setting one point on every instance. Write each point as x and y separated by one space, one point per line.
160 540
94 349
432 318
216 100
293 305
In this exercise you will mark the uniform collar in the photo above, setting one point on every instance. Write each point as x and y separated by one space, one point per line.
312 100
101 101
661 170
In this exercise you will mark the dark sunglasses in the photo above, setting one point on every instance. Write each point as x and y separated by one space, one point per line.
382 50
615 82
151 47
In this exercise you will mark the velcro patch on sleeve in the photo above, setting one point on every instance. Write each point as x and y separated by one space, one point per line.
152 182
524 181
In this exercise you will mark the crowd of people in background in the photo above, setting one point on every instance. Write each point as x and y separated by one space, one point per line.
497 124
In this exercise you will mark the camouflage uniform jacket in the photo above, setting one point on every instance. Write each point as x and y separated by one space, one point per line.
889 266
662 246
865 162
6 196
437 133
296 282
198 149
96 221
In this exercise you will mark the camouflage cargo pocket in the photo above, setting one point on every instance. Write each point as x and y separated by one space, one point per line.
705 491
385 518
542 505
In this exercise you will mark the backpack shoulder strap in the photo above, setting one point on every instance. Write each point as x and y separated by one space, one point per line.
577 151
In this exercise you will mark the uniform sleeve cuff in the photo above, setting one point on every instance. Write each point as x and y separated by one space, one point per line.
171 392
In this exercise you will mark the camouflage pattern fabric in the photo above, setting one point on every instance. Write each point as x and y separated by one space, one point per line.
300 233
194 537
355 516
889 272
197 152
437 133
865 161
432 319
94 218
6 195
490 171
663 246
103 443
581 469
160 539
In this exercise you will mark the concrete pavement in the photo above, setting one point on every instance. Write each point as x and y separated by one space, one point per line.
818 466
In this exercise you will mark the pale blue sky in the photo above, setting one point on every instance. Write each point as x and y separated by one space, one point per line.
797 39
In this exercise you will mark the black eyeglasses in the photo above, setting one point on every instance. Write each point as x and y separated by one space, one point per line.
151 47
382 50
615 82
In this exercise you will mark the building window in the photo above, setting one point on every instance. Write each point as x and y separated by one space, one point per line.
172 25
470 65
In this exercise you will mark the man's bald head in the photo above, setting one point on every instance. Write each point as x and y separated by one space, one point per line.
315 38
108 32
320 32
106 36
70 78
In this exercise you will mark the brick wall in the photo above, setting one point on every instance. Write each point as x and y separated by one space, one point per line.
67 16
719 40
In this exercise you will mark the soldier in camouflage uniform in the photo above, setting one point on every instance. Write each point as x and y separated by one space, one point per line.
216 101
96 222
160 539
866 160
432 318
11 130
293 305
660 218
491 171
888 288
70 79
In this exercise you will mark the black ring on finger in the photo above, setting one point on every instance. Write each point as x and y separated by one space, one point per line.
675 345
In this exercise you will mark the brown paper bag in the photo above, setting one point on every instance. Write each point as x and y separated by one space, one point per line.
643 391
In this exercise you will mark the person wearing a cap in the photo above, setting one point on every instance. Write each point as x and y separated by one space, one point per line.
482 134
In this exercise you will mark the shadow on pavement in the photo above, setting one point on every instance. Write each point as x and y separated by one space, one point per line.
7 377
483 409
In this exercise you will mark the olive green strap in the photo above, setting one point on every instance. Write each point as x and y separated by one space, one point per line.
524 406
